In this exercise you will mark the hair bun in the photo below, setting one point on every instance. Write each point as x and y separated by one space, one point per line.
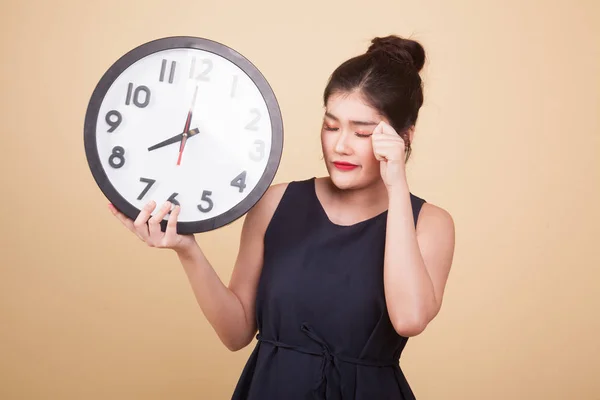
406 51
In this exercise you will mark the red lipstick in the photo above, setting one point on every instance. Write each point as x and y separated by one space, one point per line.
344 166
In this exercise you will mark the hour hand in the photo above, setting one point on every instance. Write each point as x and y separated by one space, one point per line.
174 139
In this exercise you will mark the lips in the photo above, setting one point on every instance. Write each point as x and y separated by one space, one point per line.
344 166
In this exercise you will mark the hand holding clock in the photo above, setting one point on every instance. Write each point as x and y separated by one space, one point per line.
147 227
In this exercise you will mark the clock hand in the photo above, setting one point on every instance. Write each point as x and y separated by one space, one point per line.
173 139
187 126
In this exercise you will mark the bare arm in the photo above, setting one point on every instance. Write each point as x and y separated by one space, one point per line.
229 309
221 307
417 262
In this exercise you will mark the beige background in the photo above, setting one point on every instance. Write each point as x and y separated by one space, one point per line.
507 141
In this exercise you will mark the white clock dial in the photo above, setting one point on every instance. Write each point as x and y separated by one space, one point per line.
149 102
162 90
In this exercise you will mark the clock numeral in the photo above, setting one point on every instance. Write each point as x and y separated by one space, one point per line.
172 199
206 197
203 75
163 69
113 124
234 86
260 148
149 183
240 181
118 153
252 124
136 95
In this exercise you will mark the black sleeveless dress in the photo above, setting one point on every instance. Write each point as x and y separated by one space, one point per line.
323 327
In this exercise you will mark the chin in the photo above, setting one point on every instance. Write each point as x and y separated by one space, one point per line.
346 180
349 180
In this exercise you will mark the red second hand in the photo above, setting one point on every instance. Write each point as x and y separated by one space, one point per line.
187 127
181 148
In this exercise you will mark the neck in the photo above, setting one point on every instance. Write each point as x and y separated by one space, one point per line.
373 198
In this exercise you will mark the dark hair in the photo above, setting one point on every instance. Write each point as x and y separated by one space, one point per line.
387 75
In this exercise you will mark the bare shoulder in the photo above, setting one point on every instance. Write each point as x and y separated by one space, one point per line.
273 195
260 215
435 218
436 238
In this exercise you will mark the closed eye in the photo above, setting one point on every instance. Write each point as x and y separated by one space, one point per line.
333 129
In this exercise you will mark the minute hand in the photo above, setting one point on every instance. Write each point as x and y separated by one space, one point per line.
174 139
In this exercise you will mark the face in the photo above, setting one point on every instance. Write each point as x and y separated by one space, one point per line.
346 141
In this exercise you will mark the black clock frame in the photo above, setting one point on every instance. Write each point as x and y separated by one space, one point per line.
91 117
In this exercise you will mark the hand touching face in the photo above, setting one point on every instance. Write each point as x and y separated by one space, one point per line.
347 143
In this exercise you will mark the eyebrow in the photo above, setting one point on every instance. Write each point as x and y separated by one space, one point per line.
361 123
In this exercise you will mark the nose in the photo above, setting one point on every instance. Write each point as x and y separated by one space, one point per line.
341 144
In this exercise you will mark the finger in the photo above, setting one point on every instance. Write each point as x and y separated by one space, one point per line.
121 217
389 145
141 222
128 222
383 128
389 151
171 231
154 222
395 141
380 154
388 140
378 129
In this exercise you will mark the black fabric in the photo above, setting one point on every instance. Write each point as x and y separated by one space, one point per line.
324 330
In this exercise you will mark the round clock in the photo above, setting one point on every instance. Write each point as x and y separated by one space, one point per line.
188 120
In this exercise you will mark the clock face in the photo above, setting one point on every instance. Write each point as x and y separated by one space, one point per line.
186 120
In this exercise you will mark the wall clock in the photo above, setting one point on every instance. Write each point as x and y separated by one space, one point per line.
188 120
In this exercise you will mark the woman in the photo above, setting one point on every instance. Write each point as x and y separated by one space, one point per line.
334 273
